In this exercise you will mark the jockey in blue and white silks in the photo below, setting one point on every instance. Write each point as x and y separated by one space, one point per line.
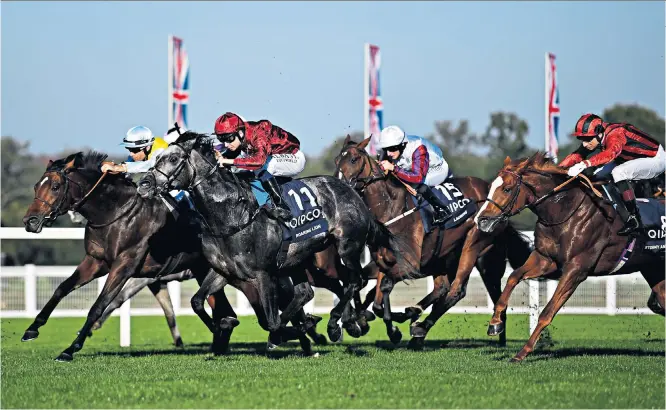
417 162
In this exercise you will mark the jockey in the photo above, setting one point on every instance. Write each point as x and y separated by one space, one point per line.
639 157
144 150
269 151
419 163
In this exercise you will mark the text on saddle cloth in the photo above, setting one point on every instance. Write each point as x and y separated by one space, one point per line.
308 219
461 207
652 213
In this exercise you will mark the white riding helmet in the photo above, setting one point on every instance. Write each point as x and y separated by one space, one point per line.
138 137
391 136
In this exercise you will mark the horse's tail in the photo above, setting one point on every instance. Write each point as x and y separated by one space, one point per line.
392 249
518 246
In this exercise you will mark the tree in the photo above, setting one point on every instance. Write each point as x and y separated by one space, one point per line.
324 164
644 118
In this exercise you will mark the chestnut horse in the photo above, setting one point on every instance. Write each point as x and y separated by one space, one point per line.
575 237
450 257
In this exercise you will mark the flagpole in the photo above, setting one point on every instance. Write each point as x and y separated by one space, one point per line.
546 106
170 80
366 90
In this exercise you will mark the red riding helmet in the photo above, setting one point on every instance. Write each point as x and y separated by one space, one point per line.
228 125
588 126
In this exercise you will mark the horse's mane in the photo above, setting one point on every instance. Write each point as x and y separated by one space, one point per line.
204 144
539 161
87 164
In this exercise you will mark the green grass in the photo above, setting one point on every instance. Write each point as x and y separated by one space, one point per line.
596 361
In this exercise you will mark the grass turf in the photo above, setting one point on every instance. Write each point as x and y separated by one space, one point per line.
594 361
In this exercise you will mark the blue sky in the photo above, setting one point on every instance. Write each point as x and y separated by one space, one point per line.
82 73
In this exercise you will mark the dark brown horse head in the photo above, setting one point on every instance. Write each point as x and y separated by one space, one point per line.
518 184
59 188
354 165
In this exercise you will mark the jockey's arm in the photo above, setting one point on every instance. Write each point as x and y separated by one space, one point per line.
615 141
258 158
575 157
420 165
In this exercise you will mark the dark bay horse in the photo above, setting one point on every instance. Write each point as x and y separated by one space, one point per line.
242 243
575 237
449 258
125 236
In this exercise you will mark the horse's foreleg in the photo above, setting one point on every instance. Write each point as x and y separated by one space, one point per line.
131 288
441 287
656 301
211 284
386 286
536 265
89 269
120 272
573 273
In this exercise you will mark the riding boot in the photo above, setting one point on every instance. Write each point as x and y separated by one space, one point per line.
633 224
280 209
442 212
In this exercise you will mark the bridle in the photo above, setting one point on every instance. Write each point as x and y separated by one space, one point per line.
213 167
354 180
506 212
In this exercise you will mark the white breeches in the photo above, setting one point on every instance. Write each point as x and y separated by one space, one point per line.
641 168
286 165
437 175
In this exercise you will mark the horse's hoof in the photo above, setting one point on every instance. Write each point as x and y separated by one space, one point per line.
335 334
416 343
29 335
179 342
64 357
395 336
377 310
353 330
312 318
368 315
416 330
365 328
96 326
414 312
228 323
320 340
270 346
495 329
516 360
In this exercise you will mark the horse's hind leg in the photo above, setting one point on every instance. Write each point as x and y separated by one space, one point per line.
654 305
131 288
161 293
89 269
655 278
211 284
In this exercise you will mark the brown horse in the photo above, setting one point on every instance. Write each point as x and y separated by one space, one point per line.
575 237
449 255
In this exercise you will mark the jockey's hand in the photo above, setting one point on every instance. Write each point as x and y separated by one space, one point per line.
387 166
224 161
576 169
111 167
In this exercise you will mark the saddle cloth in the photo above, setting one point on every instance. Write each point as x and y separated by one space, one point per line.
654 220
460 206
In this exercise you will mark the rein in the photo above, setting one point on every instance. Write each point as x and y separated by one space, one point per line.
506 212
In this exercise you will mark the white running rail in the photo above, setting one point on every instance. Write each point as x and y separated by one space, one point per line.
25 289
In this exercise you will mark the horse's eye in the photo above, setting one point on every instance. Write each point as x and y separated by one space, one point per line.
507 189
354 159
55 187
173 158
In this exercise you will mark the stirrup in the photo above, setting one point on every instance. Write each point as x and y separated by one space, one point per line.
631 227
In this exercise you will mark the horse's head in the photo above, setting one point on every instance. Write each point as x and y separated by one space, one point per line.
355 166
60 189
177 167
516 187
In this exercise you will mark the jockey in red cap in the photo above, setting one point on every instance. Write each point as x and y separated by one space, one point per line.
639 155
269 151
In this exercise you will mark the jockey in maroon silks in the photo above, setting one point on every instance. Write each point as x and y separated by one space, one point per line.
264 148
639 157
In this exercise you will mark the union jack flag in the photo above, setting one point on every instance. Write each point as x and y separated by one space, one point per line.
180 83
552 107
374 104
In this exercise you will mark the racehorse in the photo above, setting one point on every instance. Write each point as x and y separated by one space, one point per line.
242 243
449 255
575 237
125 236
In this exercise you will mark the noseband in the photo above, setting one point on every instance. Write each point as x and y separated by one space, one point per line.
55 207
